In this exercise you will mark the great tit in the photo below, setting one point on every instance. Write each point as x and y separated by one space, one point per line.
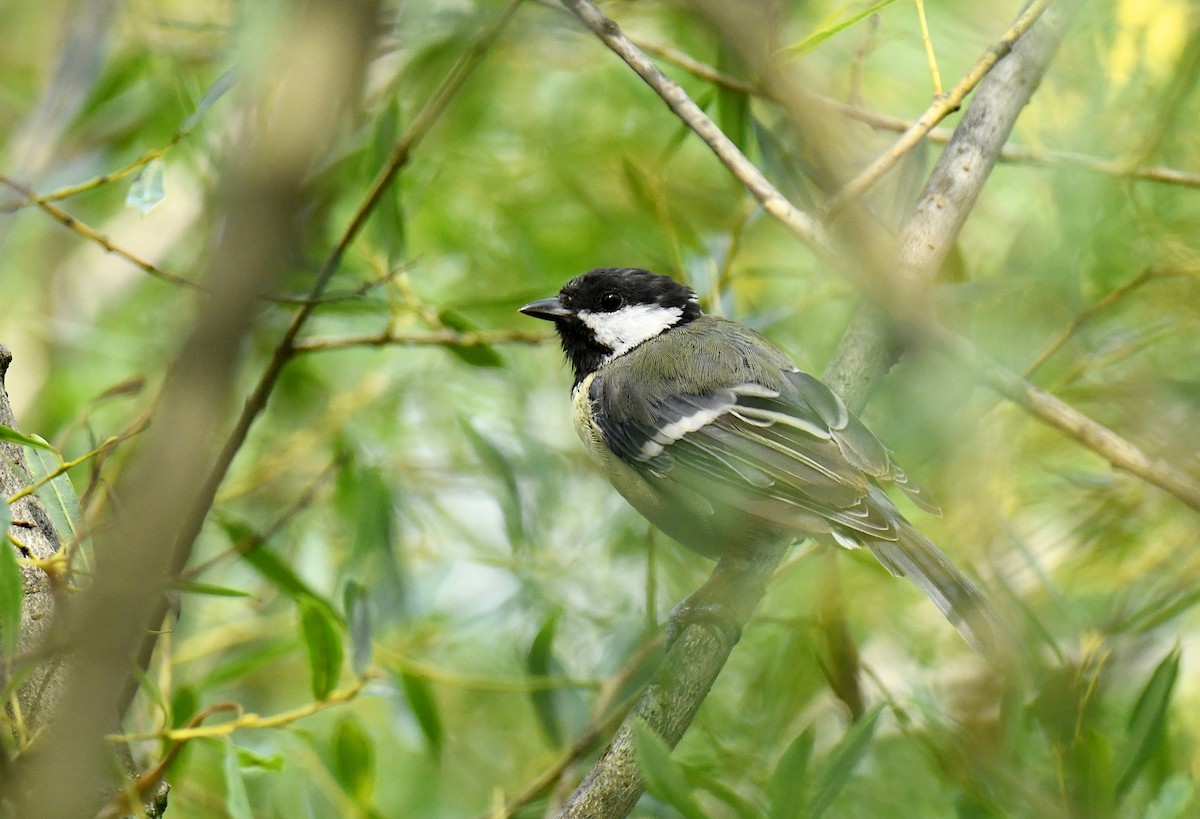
717 439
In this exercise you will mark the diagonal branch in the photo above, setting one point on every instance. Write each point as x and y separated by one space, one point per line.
696 658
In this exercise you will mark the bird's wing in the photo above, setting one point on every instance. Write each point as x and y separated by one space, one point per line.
783 454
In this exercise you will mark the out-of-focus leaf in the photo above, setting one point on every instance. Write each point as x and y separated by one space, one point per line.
237 801
639 185
62 504
740 806
249 759
501 467
821 35
833 775
1173 798
366 497
424 708
354 759
482 355
211 590
387 225
539 663
9 435
789 783
185 702
1147 720
324 643
733 107
148 188
357 606
12 590
287 581
215 91
664 777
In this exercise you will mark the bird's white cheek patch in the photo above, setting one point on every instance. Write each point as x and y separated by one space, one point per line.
624 329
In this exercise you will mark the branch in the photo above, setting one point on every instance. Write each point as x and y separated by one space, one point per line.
696 658
284 350
262 194
438 338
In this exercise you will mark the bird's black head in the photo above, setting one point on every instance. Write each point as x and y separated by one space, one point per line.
606 312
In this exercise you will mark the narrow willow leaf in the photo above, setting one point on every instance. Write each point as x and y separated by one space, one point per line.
833 775
148 188
789 783
12 591
498 464
481 355
354 759
540 662
215 91
424 708
357 606
211 590
323 641
664 777
62 504
249 759
821 35
1147 720
9 435
237 801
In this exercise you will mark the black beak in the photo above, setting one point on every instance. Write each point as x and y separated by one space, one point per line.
548 309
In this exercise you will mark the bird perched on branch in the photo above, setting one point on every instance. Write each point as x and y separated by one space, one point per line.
717 439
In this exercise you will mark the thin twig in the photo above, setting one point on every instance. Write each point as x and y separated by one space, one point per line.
1065 418
941 108
92 235
439 338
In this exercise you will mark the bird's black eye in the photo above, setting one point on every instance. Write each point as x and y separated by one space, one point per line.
611 301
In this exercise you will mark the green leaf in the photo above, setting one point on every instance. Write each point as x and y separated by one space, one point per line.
324 643
499 465
215 91
483 355
357 606
424 708
789 783
9 435
237 801
148 188
271 567
733 107
354 759
211 590
387 227
839 765
185 702
664 776
540 663
1147 720
61 502
821 35
12 591
249 759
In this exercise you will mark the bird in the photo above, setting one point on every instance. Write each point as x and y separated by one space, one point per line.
711 433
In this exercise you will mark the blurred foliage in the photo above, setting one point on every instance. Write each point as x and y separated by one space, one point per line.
419 517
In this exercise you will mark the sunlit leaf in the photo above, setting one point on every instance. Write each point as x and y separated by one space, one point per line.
211 589
664 778
821 35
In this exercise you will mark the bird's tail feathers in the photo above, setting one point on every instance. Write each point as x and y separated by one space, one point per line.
915 557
